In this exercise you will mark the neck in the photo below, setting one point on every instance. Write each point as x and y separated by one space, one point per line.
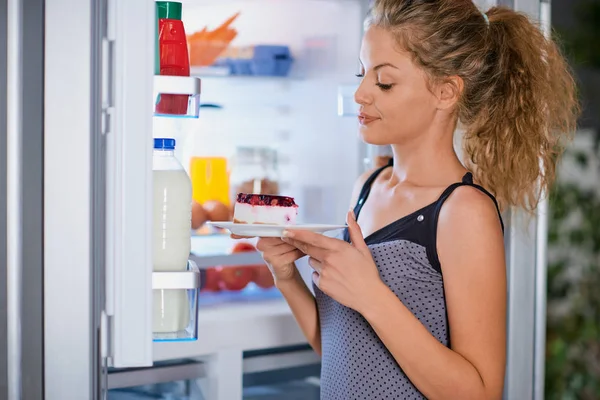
429 160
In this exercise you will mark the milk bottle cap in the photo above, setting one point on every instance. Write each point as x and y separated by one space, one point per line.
164 144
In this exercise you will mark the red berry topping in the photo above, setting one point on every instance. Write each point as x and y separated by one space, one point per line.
266 200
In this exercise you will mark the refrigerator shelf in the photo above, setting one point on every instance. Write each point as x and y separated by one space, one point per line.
165 84
176 280
226 260
215 250
225 72
176 96
175 300
265 324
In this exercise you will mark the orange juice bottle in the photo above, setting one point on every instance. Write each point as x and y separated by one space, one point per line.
210 179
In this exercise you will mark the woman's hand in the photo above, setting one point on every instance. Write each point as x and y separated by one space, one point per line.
278 255
346 272
280 258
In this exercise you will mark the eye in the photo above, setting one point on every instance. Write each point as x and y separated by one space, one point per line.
385 87
360 75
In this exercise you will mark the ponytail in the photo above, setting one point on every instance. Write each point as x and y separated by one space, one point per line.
530 111
519 105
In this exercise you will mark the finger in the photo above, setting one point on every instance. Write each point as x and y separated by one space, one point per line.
233 236
316 278
356 236
283 258
275 253
312 238
263 244
279 251
315 264
308 249
291 256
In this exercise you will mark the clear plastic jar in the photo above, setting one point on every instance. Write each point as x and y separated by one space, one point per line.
254 170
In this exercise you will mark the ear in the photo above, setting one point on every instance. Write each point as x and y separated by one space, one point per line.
448 92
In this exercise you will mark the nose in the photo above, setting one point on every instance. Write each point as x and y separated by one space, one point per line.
362 95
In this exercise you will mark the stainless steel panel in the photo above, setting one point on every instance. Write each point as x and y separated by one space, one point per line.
71 107
530 7
507 3
520 240
22 183
541 264
541 274
98 199
32 186
3 286
14 183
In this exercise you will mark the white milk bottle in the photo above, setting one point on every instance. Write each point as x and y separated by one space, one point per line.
171 234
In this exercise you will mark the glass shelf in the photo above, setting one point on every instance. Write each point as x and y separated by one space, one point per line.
224 72
213 250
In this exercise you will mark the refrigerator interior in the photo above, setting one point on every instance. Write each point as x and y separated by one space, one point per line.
319 151
320 156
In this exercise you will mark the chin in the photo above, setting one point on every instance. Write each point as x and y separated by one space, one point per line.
373 137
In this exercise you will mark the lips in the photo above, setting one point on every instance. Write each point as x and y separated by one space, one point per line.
365 119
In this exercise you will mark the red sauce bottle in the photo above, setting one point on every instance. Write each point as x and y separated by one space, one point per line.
173 55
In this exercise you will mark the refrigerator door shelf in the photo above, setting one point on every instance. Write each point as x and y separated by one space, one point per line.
176 96
175 304
189 279
164 84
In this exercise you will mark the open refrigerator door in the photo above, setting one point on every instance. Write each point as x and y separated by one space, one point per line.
146 298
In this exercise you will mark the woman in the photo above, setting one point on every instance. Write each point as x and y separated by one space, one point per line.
412 304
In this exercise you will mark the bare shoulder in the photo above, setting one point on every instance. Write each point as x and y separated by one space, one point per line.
358 184
360 181
469 208
469 227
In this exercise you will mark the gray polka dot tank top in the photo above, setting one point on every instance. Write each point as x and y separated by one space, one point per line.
355 364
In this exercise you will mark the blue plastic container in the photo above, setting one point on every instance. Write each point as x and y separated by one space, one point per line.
239 66
271 60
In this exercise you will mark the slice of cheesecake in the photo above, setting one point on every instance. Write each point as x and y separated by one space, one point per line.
265 209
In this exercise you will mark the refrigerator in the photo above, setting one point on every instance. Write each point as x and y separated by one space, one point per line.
77 91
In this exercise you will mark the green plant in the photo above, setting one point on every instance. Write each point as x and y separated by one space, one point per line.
573 325
581 44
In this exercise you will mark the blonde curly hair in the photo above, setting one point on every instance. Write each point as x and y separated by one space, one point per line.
519 101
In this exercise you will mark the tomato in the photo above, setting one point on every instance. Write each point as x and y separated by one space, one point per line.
242 247
263 277
212 279
236 278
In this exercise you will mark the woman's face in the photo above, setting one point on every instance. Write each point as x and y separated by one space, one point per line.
396 105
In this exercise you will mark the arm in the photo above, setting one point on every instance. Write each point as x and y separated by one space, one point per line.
299 297
304 308
471 251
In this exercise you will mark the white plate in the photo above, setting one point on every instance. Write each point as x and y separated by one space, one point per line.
263 230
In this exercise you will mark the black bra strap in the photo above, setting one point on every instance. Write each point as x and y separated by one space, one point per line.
366 189
466 181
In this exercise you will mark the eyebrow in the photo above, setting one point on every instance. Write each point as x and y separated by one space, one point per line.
378 67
